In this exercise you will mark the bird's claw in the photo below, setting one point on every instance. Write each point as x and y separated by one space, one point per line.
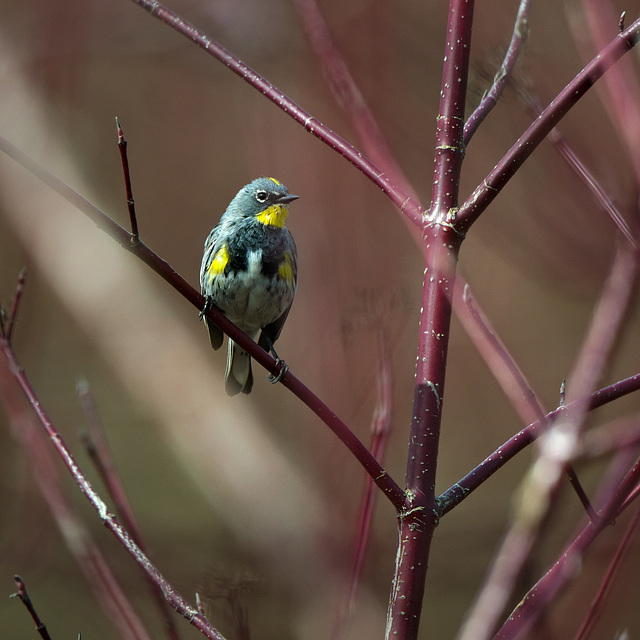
283 369
207 305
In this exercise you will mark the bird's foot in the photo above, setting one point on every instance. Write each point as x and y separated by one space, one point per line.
283 369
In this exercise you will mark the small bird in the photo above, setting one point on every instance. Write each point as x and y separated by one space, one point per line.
250 272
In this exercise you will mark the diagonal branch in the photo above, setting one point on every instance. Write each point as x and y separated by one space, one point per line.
348 95
21 593
399 197
568 565
94 566
108 519
508 374
462 489
595 609
489 100
620 93
97 447
497 357
486 192
382 479
601 197
558 448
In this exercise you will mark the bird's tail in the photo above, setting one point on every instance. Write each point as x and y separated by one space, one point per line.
238 377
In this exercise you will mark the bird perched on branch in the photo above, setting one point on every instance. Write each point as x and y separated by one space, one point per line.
250 272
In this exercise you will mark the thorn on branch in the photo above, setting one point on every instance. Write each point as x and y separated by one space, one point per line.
623 15
563 393
122 146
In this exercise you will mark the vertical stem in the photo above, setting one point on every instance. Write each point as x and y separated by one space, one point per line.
450 126
419 518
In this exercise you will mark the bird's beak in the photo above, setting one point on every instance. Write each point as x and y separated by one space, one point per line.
287 199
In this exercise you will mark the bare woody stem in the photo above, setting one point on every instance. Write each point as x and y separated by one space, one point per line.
599 600
97 448
108 519
403 200
486 192
348 95
419 519
41 628
600 196
508 374
379 475
490 99
83 548
480 474
122 146
549 586
10 323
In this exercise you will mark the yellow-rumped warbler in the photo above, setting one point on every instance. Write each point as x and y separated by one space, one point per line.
250 272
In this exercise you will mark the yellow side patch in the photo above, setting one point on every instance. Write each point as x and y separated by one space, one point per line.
274 216
276 181
218 263
285 270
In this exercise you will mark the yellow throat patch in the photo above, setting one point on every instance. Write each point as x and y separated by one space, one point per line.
274 216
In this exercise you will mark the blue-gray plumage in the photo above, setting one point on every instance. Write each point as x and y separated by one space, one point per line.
250 272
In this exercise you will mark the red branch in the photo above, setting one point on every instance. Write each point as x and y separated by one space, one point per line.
382 479
419 519
404 201
108 519
486 192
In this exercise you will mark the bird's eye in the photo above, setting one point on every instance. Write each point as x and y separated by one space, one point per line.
261 196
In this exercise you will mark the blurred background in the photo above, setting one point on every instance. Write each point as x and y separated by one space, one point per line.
254 493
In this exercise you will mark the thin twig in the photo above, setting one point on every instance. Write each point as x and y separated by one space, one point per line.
380 431
97 447
489 100
606 323
10 322
570 156
26 601
546 590
598 602
348 95
497 357
580 492
633 494
620 91
122 146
